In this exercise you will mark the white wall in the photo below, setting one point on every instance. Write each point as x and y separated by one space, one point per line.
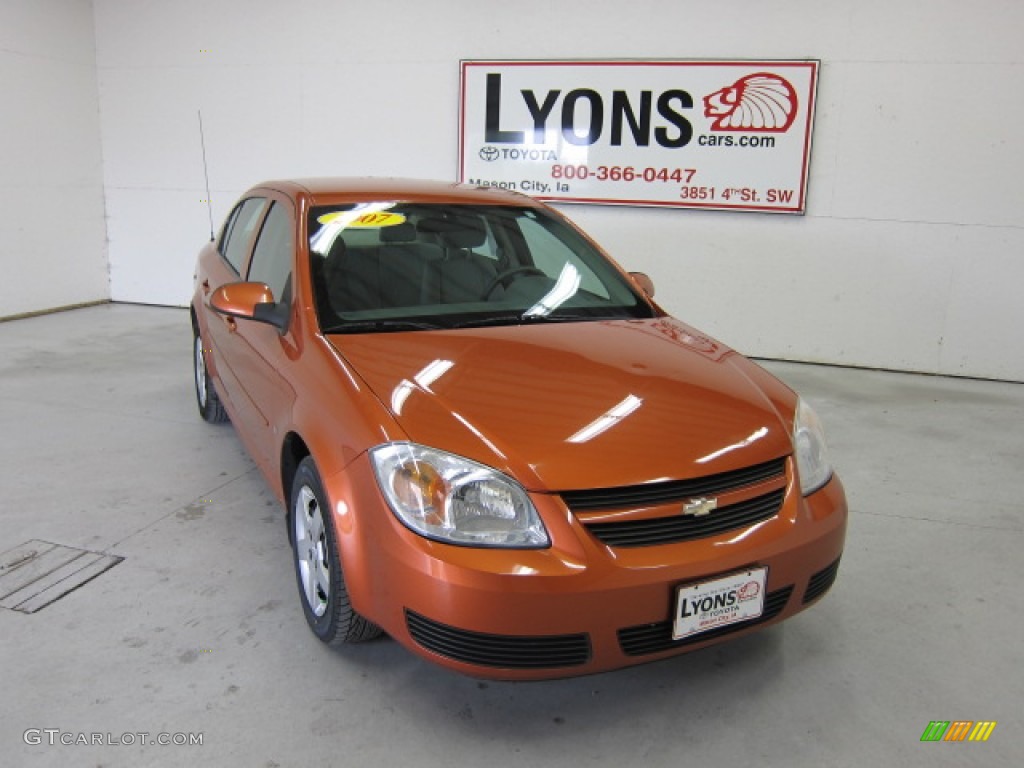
911 255
52 233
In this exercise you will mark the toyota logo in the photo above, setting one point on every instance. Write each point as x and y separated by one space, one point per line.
490 154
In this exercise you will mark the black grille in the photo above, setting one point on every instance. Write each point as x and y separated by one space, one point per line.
509 651
653 494
669 530
821 582
654 638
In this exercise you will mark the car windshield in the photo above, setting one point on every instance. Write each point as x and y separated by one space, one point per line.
408 266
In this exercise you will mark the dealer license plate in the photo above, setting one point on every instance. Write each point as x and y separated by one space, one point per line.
719 603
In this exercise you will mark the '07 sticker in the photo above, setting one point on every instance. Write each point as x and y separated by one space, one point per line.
374 220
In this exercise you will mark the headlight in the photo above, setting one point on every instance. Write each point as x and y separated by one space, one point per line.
811 453
455 500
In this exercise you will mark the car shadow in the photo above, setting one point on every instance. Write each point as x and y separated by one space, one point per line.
693 686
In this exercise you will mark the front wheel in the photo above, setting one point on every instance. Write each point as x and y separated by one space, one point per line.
210 406
325 600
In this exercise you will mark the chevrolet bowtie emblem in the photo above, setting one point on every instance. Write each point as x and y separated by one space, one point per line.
699 507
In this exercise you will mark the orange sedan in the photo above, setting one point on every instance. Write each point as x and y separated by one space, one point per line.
490 441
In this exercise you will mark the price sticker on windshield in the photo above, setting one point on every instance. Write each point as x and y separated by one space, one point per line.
374 220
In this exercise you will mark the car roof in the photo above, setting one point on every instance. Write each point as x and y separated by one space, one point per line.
334 190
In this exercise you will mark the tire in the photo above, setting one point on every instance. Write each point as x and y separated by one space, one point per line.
318 571
209 404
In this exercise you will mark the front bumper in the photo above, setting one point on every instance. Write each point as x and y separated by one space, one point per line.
578 607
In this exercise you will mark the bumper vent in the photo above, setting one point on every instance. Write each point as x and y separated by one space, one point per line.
506 651
655 638
653 494
821 582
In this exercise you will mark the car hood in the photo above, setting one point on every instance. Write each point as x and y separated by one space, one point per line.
575 405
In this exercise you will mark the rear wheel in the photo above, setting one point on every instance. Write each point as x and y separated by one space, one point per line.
210 406
325 600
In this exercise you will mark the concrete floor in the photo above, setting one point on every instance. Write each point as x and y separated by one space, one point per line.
200 630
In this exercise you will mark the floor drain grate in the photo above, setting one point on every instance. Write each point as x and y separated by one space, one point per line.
37 573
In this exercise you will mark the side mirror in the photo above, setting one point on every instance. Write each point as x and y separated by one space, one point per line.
251 301
645 283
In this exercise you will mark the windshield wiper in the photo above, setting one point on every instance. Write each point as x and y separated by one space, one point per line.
522 320
363 326
489 320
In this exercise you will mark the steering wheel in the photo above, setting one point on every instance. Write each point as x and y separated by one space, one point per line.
504 278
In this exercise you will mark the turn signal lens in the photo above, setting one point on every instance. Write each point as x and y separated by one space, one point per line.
419 488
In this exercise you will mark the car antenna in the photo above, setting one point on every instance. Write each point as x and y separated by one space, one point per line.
206 174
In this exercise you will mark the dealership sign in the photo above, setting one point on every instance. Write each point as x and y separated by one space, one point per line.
724 135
